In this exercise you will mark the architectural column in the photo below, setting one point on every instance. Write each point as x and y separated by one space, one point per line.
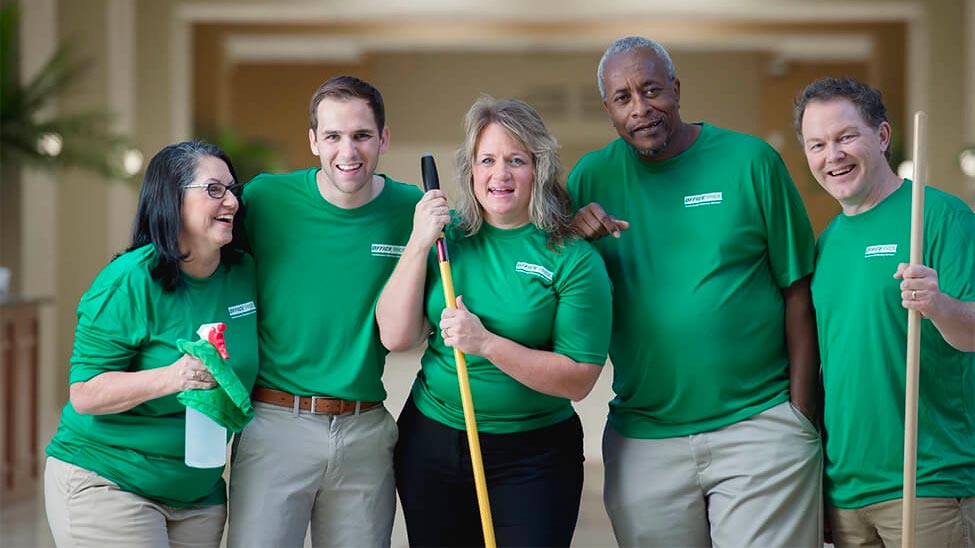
120 56
39 220
969 91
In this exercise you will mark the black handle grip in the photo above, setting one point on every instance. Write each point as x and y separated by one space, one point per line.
431 181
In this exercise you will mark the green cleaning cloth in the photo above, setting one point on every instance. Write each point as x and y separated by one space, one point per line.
229 404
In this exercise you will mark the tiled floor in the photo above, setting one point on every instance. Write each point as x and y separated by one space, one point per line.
24 525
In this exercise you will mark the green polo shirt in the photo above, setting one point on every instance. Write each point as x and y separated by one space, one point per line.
320 269
862 338
126 322
555 300
716 233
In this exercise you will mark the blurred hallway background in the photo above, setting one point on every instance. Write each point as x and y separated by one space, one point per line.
170 70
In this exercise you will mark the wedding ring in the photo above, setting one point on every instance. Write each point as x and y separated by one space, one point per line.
914 294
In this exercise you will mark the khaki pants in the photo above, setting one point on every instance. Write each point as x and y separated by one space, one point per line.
753 483
85 509
939 523
335 472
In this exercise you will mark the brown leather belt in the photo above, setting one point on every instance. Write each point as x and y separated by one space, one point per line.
323 405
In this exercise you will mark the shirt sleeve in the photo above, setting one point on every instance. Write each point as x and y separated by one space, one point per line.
110 332
791 245
584 314
951 251
574 185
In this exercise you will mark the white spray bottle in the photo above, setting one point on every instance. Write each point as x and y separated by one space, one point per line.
206 441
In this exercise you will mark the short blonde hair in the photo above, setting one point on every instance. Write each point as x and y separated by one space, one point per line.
550 208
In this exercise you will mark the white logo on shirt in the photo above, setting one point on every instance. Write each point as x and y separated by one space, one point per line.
711 198
241 310
534 270
885 250
387 250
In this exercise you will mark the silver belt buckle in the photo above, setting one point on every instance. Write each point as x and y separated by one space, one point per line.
314 410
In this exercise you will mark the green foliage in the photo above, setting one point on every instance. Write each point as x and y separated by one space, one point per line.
87 138
250 156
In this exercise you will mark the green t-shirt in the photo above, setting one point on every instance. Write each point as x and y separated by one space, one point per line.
862 339
522 290
126 322
716 233
320 269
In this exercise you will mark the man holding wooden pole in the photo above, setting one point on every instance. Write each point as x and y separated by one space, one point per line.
861 288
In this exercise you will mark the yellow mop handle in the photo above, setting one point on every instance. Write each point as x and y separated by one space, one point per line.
428 167
473 441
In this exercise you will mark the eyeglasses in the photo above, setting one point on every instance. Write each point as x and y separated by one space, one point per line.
218 190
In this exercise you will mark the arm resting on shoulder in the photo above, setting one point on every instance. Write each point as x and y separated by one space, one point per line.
592 223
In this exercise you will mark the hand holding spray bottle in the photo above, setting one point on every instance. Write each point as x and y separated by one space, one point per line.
206 441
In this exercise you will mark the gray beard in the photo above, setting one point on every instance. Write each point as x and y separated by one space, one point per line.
651 152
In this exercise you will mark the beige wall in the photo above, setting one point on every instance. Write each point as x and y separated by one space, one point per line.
10 220
945 105
719 87
83 197
427 95
154 85
938 23
282 121
778 94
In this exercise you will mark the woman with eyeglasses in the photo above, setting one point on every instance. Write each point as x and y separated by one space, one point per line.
115 472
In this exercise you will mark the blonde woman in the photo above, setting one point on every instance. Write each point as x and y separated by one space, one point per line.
533 316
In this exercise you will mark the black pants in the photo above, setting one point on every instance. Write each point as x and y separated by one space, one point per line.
534 482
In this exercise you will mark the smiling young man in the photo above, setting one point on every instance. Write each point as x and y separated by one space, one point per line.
709 438
860 289
325 239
